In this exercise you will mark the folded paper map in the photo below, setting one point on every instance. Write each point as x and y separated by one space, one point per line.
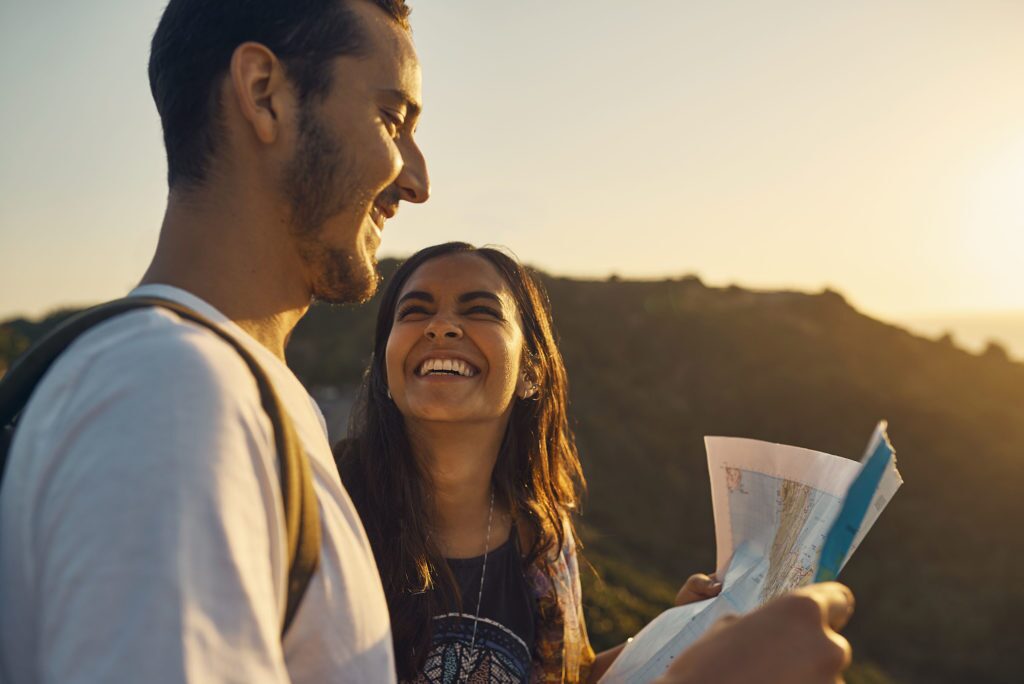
776 507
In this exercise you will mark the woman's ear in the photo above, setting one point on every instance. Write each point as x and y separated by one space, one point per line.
526 387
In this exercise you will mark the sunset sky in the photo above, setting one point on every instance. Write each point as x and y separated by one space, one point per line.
876 147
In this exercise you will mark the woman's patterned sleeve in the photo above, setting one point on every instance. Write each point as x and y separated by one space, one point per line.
563 652
579 643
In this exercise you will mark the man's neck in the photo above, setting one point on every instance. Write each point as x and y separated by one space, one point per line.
235 256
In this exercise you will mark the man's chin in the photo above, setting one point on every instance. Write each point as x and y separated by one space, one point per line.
345 278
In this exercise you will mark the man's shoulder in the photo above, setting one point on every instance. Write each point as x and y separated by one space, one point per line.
149 357
154 343
146 391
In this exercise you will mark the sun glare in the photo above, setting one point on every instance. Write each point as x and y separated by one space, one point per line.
992 229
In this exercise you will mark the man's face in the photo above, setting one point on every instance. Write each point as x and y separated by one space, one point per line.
355 158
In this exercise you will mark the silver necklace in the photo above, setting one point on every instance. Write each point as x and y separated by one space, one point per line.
483 574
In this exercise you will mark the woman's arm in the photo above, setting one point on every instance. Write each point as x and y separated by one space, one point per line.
603 661
697 588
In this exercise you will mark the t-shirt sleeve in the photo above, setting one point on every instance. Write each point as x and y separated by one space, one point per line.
158 528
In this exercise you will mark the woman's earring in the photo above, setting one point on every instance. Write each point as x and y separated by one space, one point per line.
529 388
389 394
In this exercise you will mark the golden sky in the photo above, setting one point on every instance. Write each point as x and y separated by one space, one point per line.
876 147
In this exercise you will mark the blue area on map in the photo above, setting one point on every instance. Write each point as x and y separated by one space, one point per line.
837 544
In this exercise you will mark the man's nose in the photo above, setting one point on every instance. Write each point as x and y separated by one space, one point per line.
444 328
413 181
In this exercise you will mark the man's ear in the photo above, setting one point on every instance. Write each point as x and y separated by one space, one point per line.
260 88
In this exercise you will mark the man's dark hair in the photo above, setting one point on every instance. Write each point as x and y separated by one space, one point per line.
192 50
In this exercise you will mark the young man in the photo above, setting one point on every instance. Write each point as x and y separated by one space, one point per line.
141 530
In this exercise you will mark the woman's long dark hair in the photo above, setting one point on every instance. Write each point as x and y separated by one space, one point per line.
537 475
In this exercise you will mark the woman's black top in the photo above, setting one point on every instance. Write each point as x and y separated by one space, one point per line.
503 646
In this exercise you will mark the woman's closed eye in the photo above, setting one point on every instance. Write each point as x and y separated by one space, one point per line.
412 310
485 311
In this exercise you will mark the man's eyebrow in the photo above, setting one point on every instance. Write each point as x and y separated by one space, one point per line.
478 294
416 294
413 108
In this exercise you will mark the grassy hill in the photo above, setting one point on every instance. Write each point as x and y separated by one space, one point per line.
655 366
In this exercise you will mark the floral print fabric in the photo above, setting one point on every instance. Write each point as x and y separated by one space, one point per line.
563 652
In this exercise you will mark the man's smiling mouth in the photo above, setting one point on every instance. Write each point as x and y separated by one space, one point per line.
380 213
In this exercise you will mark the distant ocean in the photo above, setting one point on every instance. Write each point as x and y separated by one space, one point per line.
973 331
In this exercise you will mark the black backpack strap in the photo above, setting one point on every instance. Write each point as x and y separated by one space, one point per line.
301 512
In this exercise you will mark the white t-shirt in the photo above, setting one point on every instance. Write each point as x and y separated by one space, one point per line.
141 527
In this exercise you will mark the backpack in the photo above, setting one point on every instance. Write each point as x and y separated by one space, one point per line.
302 518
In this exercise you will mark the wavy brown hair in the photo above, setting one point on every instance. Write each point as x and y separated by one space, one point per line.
537 474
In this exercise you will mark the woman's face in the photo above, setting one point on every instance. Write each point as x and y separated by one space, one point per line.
456 343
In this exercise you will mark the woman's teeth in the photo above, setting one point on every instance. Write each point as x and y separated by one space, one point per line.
446 367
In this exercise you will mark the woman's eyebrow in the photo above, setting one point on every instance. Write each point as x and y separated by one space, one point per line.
417 294
478 294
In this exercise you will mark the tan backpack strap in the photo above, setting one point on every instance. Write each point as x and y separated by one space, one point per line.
301 511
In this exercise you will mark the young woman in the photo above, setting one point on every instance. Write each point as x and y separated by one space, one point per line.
462 465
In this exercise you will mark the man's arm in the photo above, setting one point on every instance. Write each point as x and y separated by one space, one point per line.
158 531
791 640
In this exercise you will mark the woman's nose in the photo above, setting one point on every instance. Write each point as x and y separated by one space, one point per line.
443 327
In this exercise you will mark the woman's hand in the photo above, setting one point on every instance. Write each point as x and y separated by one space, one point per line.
698 587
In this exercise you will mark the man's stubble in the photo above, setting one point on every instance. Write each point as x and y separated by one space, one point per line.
321 181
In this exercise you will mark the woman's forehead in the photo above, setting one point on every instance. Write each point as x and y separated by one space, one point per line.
458 274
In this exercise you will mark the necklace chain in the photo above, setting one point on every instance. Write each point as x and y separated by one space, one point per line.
483 573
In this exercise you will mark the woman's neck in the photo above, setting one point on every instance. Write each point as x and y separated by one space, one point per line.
460 461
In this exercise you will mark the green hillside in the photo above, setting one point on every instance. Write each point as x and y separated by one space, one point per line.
655 366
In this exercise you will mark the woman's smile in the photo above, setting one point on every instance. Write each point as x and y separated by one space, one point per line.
437 366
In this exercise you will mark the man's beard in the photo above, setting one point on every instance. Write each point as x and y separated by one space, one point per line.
320 182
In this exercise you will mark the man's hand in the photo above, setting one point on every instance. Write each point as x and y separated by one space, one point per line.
791 640
698 587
